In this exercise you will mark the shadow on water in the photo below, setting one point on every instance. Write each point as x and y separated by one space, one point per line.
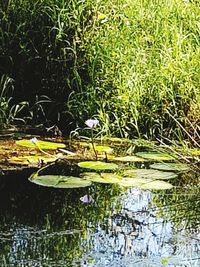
52 227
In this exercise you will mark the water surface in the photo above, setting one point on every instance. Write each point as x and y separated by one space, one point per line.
51 227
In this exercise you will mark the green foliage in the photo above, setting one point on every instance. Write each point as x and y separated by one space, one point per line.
58 181
143 64
179 167
39 143
155 156
149 174
132 64
39 48
8 111
97 165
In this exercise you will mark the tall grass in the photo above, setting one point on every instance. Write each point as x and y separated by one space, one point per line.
143 64
133 64
38 49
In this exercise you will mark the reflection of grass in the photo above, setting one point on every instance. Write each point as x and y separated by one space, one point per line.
56 220
180 206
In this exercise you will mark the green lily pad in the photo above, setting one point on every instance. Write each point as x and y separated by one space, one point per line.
157 185
101 149
27 160
130 159
170 167
98 148
149 174
105 178
92 176
133 182
145 184
155 156
40 144
97 165
59 181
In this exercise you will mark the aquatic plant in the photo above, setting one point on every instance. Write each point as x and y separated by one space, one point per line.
92 123
9 112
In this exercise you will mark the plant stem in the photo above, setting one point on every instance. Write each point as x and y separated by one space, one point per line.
92 137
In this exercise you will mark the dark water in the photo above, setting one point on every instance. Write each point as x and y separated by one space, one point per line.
52 227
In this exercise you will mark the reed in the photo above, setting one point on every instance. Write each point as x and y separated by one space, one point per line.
143 65
134 65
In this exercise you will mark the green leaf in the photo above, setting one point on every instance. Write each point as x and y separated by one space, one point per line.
130 159
157 185
40 144
155 156
98 148
134 182
101 149
170 167
59 181
105 178
27 160
149 174
97 165
145 183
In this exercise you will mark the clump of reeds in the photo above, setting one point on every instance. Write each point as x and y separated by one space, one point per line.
143 64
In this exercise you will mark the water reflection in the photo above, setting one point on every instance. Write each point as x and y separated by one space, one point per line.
51 227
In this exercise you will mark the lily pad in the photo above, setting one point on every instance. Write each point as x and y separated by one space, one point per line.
170 167
27 160
93 176
101 149
97 165
98 148
134 182
40 144
105 178
149 174
155 156
130 159
157 185
145 184
59 181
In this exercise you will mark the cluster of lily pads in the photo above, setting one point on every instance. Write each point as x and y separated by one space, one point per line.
162 169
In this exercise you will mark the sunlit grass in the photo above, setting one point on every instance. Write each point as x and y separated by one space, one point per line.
131 64
143 60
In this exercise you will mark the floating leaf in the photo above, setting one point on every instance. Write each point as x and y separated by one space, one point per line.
155 156
59 181
170 167
134 182
111 177
105 178
97 165
145 184
40 144
149 174
102 149
92 176
157 185
130 159
27 160
98 148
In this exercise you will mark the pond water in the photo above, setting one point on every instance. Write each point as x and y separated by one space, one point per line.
122 227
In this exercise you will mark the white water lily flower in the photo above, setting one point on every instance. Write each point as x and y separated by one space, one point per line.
91 123
34 140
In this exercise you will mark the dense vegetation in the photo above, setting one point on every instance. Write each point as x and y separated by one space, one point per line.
134 65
